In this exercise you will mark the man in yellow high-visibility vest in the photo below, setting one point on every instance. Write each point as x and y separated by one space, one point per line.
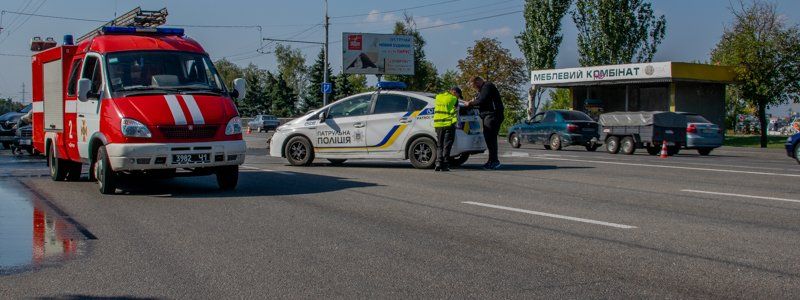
445 117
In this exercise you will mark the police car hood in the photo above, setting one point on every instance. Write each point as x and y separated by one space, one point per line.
159 110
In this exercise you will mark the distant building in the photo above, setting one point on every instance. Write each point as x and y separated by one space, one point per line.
657 86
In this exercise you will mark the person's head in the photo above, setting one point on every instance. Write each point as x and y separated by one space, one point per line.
456 91
476 82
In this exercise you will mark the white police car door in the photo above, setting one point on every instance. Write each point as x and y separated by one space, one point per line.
390 124
342 132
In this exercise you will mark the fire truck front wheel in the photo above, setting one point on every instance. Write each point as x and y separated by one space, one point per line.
58 167
227 177
106 178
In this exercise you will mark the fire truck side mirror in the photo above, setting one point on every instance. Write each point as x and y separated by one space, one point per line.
84 85
239 88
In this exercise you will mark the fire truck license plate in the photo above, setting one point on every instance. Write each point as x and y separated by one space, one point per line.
191 158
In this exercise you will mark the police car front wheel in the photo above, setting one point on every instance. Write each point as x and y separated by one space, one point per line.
299 151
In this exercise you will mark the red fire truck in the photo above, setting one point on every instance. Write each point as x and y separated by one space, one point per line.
135 100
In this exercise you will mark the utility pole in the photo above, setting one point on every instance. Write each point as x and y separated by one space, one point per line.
23 93
325 65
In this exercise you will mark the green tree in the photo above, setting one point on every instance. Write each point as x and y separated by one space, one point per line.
256 100
559 99
540 40
489 60
228 71
424 78
765 54
292 68
312 97
282 96
359 83
617 31
449 79
8 105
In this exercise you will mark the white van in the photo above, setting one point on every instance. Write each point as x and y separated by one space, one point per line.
382 124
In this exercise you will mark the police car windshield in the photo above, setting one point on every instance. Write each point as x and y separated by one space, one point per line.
162 71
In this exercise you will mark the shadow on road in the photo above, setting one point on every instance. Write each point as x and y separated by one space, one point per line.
251 184
515 167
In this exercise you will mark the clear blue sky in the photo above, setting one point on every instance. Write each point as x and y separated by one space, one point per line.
693 27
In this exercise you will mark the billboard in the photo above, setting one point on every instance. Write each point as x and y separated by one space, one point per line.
371 53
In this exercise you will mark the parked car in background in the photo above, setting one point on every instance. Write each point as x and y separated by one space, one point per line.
556 129
701 134
264 123
8 125
793 147
24 140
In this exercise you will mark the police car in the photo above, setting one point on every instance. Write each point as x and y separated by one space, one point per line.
388 123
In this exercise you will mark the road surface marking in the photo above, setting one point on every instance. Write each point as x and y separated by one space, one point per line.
669 167
544 214
268 170
742 196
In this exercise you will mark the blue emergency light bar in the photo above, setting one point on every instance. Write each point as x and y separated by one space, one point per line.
142 30
391 85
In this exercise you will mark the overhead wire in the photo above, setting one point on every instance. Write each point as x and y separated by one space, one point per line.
449 12
397 10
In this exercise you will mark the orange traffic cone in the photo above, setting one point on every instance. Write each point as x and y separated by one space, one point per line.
664 149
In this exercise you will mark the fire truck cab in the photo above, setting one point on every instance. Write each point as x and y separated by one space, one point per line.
135 100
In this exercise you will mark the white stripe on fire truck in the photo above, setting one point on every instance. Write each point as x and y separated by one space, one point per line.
175 108
70 106
197 115
38 106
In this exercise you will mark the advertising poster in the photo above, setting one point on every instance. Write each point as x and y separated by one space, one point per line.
385 54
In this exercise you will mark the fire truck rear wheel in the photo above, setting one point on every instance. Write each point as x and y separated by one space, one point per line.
227 177
58 167
106 178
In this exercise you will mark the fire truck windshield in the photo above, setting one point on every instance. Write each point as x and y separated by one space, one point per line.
162 71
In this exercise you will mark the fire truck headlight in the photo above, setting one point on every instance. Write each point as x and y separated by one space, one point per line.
234 126
133 128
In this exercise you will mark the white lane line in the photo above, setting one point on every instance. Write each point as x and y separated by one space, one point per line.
268 170
669 167
742 196
544 214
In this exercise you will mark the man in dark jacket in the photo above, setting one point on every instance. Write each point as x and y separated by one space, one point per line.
491 110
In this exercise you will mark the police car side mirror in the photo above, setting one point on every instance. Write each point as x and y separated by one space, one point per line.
322 116
239 88
84 85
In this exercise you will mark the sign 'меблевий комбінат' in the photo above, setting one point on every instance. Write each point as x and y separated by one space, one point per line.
603 73
370 53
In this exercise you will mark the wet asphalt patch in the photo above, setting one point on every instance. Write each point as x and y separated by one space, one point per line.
34 232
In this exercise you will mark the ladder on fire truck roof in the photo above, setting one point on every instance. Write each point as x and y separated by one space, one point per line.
134 18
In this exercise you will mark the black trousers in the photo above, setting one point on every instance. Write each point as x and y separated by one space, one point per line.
491 128
445 136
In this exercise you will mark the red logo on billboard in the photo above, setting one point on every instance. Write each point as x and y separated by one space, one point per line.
354 42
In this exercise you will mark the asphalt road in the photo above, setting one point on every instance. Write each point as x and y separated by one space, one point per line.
550 224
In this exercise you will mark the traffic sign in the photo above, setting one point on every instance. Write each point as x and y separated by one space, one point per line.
327 88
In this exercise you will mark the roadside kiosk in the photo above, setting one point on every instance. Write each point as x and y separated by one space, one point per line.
657 86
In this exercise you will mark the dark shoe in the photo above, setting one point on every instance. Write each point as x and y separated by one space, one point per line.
487 166
445 168
438 168
496 166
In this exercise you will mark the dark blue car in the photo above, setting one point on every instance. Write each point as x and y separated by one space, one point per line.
556 129
793 147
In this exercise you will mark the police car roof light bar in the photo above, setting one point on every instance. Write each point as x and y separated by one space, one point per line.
391 85
141 30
